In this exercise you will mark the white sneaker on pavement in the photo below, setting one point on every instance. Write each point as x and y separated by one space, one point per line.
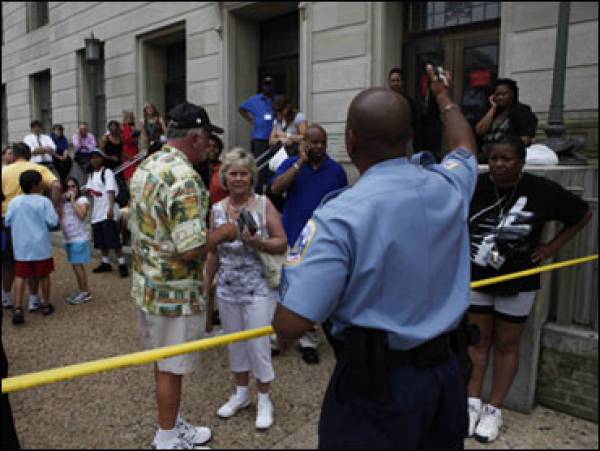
81 298
489 425
176 443
474 406
34 303
264 414
232 406
195 435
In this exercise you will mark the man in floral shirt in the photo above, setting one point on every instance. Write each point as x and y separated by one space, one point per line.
169 241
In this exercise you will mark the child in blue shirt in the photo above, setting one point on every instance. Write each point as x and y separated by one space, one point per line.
29 216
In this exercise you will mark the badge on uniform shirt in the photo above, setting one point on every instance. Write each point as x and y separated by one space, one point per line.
451 164
296 254
268 116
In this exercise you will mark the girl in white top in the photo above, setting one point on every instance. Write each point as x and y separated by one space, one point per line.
75 208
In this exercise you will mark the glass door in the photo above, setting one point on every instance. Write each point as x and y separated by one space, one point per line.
472 58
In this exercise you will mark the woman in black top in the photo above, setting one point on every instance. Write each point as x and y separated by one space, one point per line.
507 215
506 116
112 145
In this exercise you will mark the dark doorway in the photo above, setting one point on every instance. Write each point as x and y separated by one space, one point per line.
279 54
175 83
464 38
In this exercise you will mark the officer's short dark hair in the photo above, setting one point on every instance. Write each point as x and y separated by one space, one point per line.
35 123
28 179
21 150
396 70
513 141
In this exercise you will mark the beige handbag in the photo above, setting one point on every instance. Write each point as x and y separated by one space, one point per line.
271 263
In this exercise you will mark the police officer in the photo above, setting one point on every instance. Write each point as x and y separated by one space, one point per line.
392 253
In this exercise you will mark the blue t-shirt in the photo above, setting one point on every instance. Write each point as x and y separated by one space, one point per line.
306 192
61 143
260 106
390 253
29 216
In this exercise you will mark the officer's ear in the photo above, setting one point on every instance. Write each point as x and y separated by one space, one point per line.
350 142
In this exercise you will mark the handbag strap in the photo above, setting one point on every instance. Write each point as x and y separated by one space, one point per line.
263 216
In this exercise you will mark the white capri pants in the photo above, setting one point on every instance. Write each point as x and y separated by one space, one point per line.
253 354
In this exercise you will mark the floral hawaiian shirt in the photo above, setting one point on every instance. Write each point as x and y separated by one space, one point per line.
167 218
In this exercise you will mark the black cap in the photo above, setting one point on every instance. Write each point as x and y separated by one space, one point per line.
187 115
97 151
267 80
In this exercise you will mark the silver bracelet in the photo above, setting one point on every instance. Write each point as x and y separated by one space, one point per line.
447 108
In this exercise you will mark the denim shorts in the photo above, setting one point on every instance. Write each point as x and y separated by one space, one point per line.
79 253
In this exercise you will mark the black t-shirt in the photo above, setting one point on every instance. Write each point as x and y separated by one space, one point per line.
506 226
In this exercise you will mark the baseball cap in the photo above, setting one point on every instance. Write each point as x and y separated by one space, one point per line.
187 115
97 151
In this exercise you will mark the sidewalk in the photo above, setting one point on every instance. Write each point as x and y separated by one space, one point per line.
543 428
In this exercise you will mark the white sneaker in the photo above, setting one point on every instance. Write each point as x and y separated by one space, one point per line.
34 303
195 435
489 424
264 414
176 443
232 406
81 298
474 408
7 300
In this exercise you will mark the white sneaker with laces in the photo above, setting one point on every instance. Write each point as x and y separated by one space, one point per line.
176 443
81 298
264 414
234 404
195 435
489 425
34 303
6 300
474 406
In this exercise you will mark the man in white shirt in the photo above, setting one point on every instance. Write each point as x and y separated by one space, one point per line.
102 186
41 145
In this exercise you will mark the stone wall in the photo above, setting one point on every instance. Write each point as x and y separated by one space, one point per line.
568 372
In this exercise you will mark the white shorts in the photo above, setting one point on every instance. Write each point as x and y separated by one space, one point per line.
511 308
158 331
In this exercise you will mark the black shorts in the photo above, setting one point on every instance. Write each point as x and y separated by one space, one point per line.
106 235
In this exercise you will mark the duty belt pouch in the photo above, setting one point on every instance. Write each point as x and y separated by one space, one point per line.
464 336
366 352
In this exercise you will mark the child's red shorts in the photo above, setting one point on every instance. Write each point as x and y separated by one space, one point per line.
38 268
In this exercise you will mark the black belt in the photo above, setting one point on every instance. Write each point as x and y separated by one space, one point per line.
432 352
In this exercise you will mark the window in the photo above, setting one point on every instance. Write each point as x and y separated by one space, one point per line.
91 97
37 15
435 15
41 99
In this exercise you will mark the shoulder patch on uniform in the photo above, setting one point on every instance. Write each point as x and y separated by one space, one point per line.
451 164
296 254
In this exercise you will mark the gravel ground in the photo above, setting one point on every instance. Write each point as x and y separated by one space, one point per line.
117 409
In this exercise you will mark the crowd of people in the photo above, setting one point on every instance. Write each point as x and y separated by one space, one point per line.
212 228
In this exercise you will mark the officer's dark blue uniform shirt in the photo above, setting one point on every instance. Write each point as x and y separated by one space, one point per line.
261 107
390 253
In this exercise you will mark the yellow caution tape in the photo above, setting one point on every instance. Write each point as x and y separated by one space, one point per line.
25 381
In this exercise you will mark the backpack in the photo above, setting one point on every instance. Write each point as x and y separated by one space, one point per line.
123 197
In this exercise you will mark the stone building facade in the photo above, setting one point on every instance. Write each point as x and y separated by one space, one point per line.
212 53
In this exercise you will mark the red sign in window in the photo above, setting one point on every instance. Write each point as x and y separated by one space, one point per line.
481 77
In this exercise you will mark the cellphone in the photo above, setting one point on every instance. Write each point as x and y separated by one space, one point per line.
439 72
246 219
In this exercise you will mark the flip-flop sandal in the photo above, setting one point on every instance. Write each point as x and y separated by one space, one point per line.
47 309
